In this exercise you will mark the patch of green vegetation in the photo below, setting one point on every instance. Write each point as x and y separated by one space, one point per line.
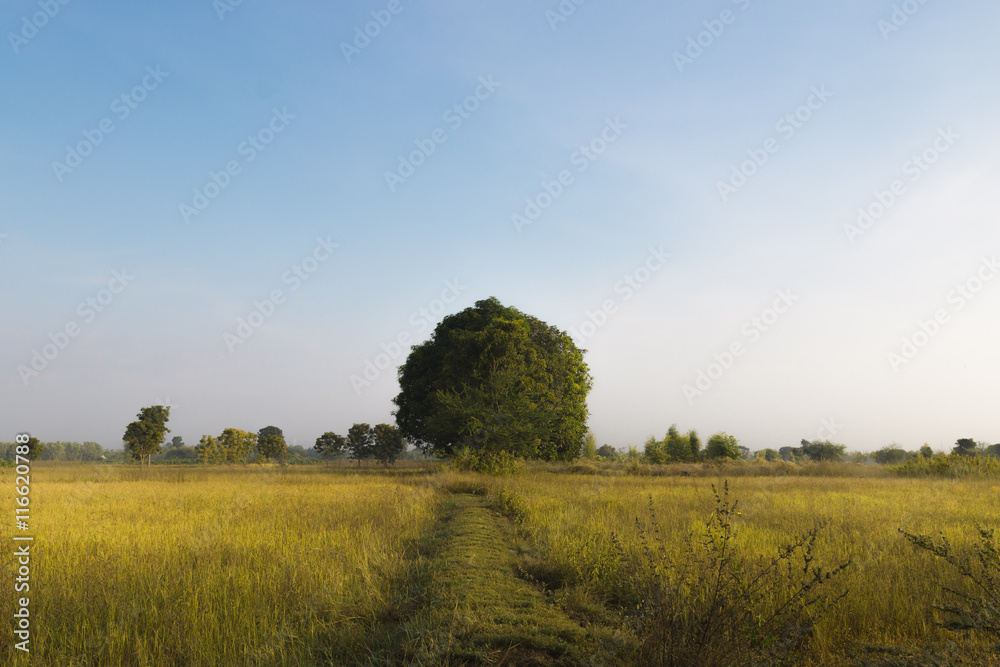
480 611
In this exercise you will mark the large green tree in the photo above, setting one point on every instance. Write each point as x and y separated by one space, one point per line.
144 437
271 444
493 379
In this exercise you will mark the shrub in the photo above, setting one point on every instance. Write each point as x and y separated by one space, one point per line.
716 606
951 465
980 608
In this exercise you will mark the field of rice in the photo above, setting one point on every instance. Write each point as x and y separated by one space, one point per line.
309 565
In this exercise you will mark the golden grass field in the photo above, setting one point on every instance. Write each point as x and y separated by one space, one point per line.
892 586
312 565
209 566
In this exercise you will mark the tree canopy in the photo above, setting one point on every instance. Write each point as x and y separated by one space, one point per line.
388 444
722 446
493 379
360 441
233 446
608 452
35 448
144 437
330 444
965 447
271 444
823 450
890 454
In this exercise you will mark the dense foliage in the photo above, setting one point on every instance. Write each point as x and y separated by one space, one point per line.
492 379
144 437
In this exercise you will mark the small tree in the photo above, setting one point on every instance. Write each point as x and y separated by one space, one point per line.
144 437
608 452
359 442
789 453
768 454
722 446
271 444
330 445
890 454
653 451
823 450
677 446
964 447
695 443
590 446
176 441
387 444
209 451
926 451
238 445
35 448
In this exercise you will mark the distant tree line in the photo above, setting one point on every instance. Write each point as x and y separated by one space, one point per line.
384 443
687 448
61 451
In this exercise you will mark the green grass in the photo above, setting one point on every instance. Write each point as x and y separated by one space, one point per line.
482 609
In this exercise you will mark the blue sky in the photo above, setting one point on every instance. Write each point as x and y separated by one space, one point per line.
180 164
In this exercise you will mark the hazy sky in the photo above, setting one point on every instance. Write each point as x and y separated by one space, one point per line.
236 207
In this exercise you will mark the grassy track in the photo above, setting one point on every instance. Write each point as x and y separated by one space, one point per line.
481 611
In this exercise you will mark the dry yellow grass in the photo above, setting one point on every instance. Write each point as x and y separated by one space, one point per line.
203 566
892 587
314 565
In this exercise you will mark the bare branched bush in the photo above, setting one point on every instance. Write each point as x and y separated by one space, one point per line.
977 607
713 605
